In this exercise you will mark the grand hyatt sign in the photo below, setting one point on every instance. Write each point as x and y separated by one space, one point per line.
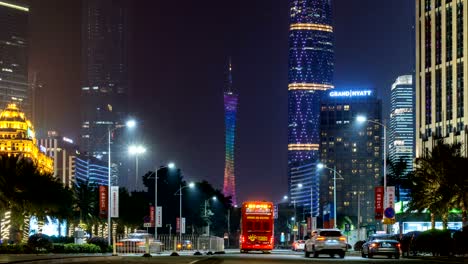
351 93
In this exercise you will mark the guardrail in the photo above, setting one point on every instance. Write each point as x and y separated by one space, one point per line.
203 243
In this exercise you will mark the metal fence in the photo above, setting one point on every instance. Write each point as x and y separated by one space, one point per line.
169 243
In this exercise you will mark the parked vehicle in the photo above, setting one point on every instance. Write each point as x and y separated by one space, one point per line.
326 241
386 245
298 245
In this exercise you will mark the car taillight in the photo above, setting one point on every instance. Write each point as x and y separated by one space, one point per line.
242 239
272 239
320 238
343 238
398 245
374 245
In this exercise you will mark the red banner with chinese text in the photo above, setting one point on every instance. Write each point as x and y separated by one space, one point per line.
103 198
379 202
151 215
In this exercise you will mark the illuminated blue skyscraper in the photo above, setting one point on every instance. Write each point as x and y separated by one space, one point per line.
311 67
402 126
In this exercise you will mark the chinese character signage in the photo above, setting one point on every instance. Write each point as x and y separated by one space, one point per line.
151 213
159 216
390 197
379 194
103 201
115 201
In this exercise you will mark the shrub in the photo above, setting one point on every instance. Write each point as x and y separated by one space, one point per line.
62 239
81 248
100 242
58 248
437 242
15 249
40 242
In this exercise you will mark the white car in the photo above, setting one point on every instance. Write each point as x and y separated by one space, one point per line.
326 241
298 245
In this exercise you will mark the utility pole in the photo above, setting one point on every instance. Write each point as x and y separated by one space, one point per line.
228 226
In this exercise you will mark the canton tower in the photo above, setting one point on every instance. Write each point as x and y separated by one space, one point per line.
311 58
230 112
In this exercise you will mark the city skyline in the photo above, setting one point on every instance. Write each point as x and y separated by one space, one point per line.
178 75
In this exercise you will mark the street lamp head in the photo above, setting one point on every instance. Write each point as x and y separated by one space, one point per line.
214 198
191 185
320 166
292 218
131 123
285 197
361 118
136 150
299 185
171 165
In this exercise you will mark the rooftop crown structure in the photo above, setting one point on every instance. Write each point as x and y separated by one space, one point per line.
17 137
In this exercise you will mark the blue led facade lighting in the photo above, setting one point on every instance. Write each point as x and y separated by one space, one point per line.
311 66
402 126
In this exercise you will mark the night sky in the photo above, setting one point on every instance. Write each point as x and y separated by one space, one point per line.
179 53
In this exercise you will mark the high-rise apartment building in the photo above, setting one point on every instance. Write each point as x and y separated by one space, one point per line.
311 65
441 73
401 144
230 113
14 20
355 151
105 84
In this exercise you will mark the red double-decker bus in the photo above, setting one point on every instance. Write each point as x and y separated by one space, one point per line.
257 227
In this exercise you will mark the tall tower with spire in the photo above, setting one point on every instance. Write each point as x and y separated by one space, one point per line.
311 59
230 113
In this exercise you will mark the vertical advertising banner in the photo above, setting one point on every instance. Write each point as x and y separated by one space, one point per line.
309 224
379 193
115 201
103 201
159 216
177 224
183 225
390 197
151 213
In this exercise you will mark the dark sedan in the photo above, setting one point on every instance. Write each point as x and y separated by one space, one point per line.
385 247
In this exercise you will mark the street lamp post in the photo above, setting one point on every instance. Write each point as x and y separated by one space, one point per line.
129 124
171 165
136 150
320 166
191 185
362 119
207 216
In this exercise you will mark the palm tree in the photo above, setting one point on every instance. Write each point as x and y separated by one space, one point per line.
397 176
25 191
86 204
436 183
